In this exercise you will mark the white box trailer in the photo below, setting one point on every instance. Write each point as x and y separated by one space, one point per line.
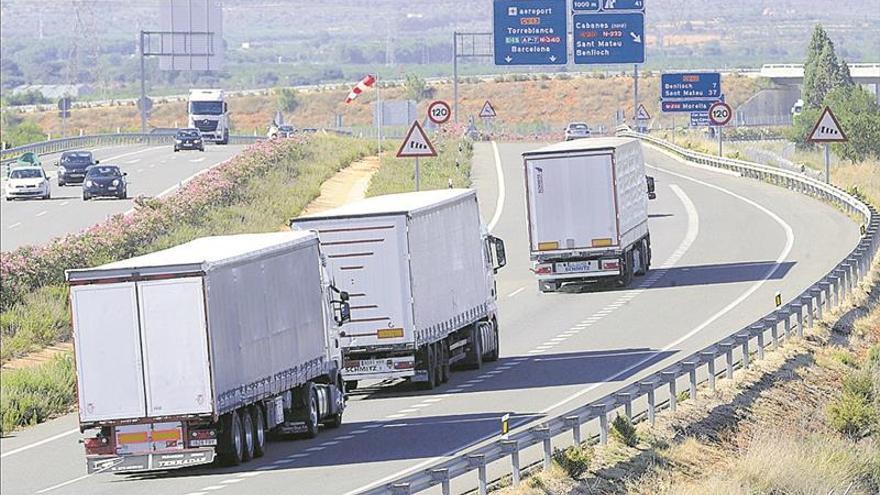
202 348
587 204
420 270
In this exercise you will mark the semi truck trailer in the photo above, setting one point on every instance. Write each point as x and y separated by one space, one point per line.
587 210
209 113
199 351
420 271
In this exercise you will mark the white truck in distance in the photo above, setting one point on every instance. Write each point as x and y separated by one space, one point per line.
420 270
587 204
202 349
209 113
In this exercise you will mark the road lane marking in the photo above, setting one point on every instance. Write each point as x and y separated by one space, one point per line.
430 461
197 160
295 456
131 162
61 485
64 203
345 437
41 442
499 203
315 449
16 224
140 170
395 416
214 488
231 481
42 213
517 291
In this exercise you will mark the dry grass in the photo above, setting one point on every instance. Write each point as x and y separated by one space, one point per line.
551 101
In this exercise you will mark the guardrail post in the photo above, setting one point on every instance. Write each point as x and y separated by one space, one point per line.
574 422
757 330
648 387
441 476
601 410
743 339
821 300
479 461
670 377
786 327
773 323
511 447
727 347
543 433
709 356
627 397
691 368
400 489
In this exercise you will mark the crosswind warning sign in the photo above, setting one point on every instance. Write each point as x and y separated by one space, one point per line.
642 113
827 129
488 111
416 143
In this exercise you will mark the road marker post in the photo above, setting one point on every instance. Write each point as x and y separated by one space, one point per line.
505 427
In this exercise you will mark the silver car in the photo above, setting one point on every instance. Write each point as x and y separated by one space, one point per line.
576 130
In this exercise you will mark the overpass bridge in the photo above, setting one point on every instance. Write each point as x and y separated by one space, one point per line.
793 74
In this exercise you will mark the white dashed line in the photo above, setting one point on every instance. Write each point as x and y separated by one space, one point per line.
517 291
283 461
466 385
42 213
330 443
297 456
64 203
345 437
395 416
315 449
248 475
374 425
358 432
454 390
16 224
214 488
432 399
404 412
231 481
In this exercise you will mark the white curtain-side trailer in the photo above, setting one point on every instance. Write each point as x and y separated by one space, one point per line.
199 350
587 203
420 270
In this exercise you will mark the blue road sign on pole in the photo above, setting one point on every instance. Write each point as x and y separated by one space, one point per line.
699 119
609 38
690 85
530 32
591 5
686 105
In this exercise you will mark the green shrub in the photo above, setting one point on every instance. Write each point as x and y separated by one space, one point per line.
41 319
858 383
574 460
852 415
32 395
624 432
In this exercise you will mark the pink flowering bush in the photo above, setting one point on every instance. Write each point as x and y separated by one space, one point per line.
121 236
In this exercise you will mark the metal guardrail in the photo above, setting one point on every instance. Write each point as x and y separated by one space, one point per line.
79 142
799 313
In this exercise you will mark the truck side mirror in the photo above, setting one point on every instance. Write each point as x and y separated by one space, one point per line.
343 296
500 253
344 312
97 162
652 194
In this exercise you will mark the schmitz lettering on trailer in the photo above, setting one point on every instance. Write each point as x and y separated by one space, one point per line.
539 179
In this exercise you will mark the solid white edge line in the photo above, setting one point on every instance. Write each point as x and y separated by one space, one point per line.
37 444
499 203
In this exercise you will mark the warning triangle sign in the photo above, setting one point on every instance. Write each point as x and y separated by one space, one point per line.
416 143
827 129
642 113
488 111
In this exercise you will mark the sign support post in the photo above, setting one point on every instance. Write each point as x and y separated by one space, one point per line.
635 92
415 145
827 163
418 175
720 141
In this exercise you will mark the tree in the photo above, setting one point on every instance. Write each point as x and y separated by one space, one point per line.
416 87
823 71
859 116
288 100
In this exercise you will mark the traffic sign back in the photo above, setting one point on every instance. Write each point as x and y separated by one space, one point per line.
488 111
416 143
827 129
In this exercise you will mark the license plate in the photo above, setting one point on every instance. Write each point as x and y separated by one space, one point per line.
361 366
577 266
111 188
208 442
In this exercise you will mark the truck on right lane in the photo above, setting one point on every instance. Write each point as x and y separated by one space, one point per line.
587 203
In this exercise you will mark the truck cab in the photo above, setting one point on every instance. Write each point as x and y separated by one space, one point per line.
209 113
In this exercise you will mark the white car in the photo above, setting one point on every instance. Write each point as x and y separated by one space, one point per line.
576 130
28 182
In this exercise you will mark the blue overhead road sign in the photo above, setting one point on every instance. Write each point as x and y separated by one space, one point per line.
690 85
530 32
612 5
686 105
609 38
592 5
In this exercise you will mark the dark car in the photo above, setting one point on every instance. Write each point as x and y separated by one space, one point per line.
189 139
105 180
72 166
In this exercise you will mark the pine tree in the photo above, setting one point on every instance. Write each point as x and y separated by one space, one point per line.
844 77
821 69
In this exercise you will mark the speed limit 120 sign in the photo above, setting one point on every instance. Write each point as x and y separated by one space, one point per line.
720 113
439 112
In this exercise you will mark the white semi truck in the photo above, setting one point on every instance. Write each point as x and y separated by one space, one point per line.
200 350
420 270
587 203
209 113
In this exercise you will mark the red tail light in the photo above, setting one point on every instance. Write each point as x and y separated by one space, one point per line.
543 269
610 264
99 445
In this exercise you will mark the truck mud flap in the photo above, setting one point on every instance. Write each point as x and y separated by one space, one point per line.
150 462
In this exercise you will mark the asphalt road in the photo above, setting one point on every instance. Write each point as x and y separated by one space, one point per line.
151 171
722 246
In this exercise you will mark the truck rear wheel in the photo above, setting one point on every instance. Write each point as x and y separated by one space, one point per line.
494 354
430 366
476 361
231 440
627 275
259 422
311 398
247 432
335 421
640 261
